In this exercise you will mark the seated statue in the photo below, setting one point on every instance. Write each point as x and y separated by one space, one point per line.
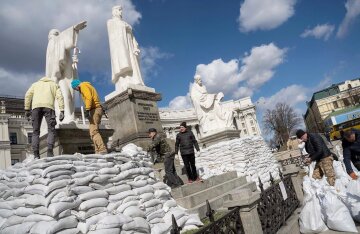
207 106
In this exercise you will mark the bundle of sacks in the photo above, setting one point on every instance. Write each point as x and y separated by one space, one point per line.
330 207
248 156
114 193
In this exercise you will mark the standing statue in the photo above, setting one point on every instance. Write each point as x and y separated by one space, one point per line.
61 66
124 51
207 106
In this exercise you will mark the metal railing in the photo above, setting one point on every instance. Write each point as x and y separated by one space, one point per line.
273 208
298 161
230 223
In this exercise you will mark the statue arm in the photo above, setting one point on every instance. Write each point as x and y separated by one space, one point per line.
28 97
59 97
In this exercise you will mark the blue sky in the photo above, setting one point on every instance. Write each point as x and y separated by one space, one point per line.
268 49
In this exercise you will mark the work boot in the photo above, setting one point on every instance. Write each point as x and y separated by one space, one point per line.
36 154
50 153
103 152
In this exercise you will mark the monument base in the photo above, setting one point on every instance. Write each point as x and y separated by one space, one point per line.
216 137
131 113
70 139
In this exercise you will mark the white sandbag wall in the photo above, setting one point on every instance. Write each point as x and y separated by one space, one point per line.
330 207
114 193
248 156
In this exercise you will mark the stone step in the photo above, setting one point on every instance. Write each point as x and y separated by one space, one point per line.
189 189
195 199
217 202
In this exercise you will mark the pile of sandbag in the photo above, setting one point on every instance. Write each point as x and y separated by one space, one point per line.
330 207
113 193
248 156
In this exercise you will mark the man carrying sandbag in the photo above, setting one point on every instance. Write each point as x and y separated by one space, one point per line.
161 147
41 98
320 153
351 151
93 112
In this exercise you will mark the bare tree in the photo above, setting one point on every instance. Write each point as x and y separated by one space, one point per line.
281 121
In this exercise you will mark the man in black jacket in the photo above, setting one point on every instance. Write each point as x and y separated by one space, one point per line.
351 151
186 141
319 152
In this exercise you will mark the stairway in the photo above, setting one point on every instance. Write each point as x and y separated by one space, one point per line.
216 190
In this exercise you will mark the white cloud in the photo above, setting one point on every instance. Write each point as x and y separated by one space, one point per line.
149 58
25 28
352 12
292 95
264 14
180 102
323 31
256 68
16 84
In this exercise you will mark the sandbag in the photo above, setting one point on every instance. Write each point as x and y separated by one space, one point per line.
111 221
336 214
137 225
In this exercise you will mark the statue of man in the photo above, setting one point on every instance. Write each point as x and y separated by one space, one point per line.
124 51
208 109
61 66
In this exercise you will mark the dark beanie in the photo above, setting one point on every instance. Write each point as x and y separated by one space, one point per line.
152 130
183 124
299 133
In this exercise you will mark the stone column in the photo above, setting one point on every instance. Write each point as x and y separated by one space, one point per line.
247 201
293 171
5 148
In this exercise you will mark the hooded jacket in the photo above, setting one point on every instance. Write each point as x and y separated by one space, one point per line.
351 151
316 147
42 94
89 96
186 141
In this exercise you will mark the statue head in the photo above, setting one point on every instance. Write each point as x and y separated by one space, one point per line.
117 12
197 79
53 33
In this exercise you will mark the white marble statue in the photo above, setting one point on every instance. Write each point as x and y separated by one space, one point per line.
207 106
124 51
61 64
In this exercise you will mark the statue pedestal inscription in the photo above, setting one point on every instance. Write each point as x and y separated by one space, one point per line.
131 113
71 138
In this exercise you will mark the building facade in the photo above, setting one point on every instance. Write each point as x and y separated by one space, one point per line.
334 98
16 130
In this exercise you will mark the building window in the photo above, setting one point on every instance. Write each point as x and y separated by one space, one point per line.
14 161
253 129
346 102
13 138
29 135
243 125
251 122
245 131
335 104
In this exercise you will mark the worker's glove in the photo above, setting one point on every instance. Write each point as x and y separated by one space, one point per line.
27 113
87 114
353 176
61 116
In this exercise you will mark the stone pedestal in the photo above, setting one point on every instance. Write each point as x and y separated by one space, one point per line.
247 200
131 114
72 139
216 137
293 171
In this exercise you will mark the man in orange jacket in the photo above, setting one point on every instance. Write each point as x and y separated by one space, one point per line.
93 112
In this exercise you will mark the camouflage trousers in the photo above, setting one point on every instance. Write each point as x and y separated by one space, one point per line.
325 167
